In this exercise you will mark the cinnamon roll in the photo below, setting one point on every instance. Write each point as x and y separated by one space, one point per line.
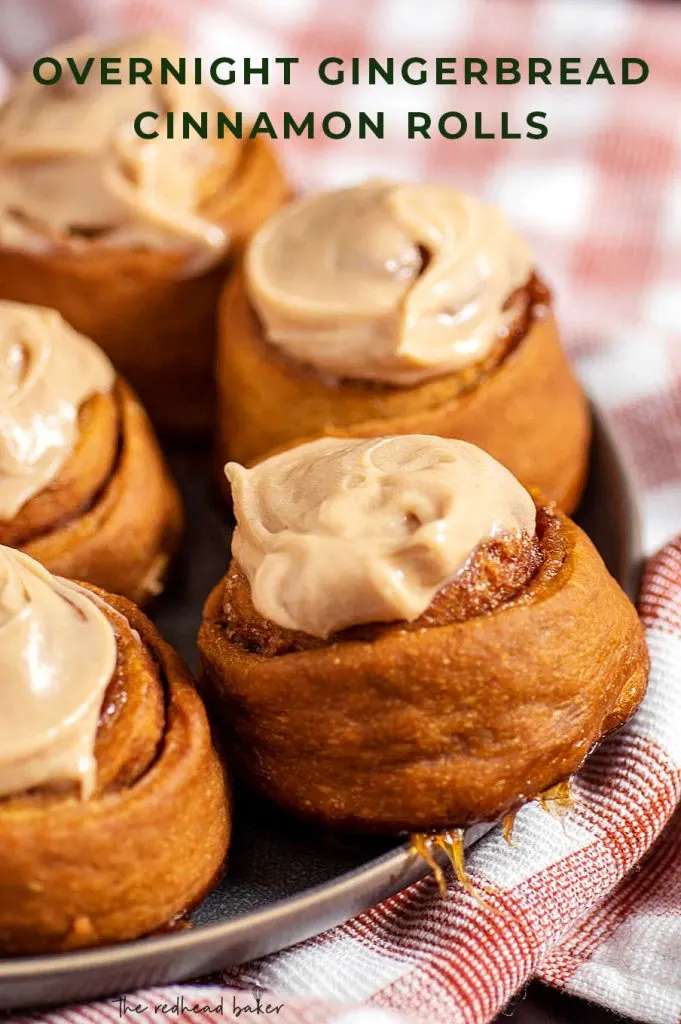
129 238
83 484
114 810
390 309
406 639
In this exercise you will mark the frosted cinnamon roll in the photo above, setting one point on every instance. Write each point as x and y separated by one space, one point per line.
395 308
83 485
406 639
128 238
118 738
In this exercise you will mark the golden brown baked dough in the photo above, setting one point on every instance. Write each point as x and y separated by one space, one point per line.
152 839
501 689
522 404
113 515
157 326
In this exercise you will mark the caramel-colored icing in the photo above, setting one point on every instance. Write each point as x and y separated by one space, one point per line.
57 657
47 371
337 532
388 282
72 170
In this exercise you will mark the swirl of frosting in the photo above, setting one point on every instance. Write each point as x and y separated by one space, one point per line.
337 532
386 282
57 657
47 371
73 171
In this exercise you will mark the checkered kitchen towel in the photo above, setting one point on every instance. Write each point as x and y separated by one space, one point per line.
600 198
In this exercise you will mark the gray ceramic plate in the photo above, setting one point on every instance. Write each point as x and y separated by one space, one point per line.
286 881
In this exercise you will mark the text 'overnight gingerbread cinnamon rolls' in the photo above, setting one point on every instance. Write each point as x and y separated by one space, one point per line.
393 308
406 639
114 807
83 484
129 239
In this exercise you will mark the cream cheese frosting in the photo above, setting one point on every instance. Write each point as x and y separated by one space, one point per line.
338 532
57 657
47 371
72 170
394 283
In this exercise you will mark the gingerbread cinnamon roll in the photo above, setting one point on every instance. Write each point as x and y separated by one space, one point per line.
129 238
83 484
407 640
114 810
391 309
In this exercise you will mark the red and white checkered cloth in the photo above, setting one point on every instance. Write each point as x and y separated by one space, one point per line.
600 198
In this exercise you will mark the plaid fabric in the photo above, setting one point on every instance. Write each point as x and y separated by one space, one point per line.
600 198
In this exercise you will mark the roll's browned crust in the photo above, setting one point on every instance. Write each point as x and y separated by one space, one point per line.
157 326
498 692
113 516
152 839
523 404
